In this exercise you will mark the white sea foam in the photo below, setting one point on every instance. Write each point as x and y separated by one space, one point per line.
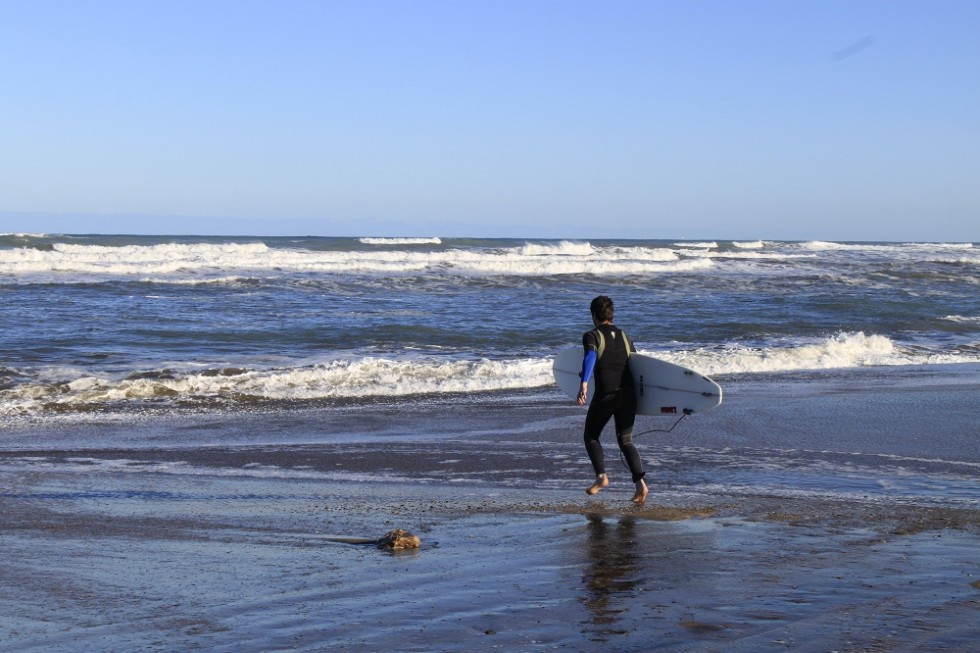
752 244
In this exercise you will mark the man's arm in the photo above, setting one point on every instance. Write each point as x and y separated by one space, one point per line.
588 365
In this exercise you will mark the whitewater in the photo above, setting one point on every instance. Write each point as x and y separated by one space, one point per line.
109 324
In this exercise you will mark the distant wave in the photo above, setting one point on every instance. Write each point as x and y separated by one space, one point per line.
962 319
820 246
700 245
205 262
745 254
564 248
944 245
216 262
400 241
69 259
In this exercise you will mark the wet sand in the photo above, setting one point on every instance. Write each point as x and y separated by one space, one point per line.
248 565
228 547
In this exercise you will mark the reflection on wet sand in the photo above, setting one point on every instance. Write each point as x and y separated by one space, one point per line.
610 575
638 571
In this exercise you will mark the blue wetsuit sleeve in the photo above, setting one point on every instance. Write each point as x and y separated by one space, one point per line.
588 364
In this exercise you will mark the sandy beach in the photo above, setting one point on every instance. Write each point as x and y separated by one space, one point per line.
229 547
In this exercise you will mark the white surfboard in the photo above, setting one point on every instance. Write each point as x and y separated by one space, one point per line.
662 388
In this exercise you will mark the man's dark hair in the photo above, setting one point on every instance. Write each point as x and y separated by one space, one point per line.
602 308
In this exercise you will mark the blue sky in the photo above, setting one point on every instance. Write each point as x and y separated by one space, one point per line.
852 120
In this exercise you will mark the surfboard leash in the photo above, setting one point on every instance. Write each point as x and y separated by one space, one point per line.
679 420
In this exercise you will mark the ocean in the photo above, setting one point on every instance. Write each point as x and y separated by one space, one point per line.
138 345
99 325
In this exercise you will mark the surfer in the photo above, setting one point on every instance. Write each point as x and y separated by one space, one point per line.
607 351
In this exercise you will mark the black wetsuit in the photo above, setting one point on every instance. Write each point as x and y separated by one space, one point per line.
615 397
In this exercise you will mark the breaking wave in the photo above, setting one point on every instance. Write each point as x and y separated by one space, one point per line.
373 377
844 350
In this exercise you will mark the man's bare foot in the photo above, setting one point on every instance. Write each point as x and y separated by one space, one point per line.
641 492
601 481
